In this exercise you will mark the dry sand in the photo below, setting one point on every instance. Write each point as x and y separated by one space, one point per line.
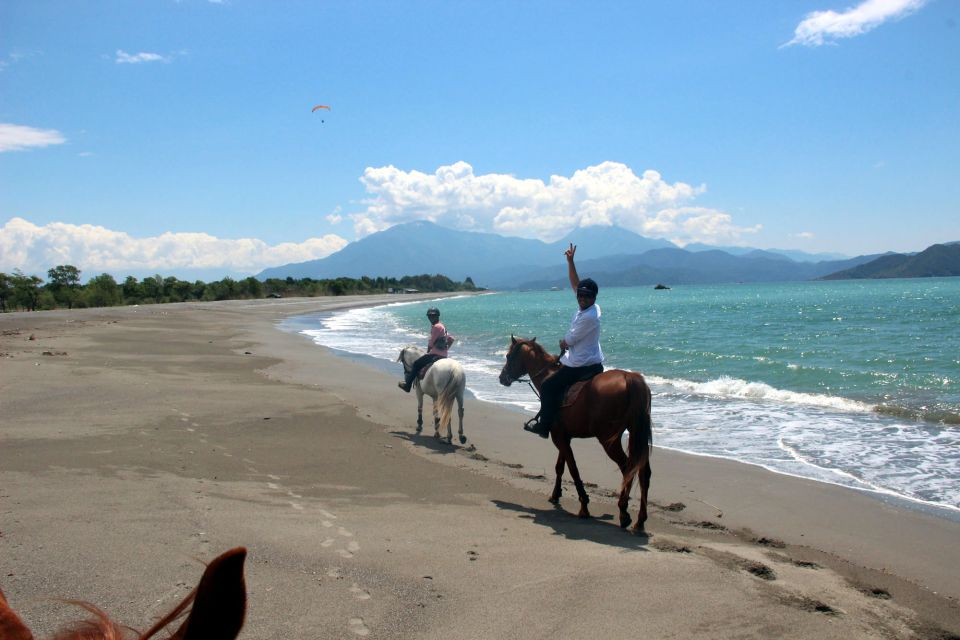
136 441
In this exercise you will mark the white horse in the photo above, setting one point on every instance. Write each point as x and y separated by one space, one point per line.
444 382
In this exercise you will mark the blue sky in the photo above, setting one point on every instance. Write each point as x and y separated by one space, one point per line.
158 136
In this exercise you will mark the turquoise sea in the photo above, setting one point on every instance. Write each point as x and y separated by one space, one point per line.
852 382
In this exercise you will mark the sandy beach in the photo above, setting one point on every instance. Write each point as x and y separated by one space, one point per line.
138 442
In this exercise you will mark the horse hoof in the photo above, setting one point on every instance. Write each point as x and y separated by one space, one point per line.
584 514
419 429
463 439
638 528
625 521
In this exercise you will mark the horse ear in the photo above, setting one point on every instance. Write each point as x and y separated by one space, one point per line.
533 339
11 627
220 602
513 339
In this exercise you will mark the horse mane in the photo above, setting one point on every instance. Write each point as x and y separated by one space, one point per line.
539 350
100 627
219 607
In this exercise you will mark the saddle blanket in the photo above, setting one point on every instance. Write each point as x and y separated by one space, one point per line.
573 392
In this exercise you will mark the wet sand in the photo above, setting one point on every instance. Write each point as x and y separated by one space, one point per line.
137 441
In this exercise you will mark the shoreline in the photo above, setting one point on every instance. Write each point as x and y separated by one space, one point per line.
199 426
934 509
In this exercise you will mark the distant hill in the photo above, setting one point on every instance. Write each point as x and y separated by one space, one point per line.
425 247
793 254
679 266
935 261
611 255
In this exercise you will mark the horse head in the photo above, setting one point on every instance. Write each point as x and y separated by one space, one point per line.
219 605
408 355
516 365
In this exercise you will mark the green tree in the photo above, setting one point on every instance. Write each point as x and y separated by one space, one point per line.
6 290
132 291
64 284
26 291
102 291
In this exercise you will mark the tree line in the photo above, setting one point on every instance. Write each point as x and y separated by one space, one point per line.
64 290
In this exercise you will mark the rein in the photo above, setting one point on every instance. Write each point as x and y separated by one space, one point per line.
540 371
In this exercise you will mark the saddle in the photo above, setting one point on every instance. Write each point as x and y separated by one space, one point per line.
573 392
423 372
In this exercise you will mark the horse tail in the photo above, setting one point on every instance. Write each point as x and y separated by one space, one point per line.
640 425
448 395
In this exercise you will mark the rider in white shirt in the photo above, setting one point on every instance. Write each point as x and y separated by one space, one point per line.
583 358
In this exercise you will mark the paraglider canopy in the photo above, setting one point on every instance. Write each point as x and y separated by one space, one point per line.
320 106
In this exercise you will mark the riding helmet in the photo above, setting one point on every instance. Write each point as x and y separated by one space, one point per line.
588 287
433 312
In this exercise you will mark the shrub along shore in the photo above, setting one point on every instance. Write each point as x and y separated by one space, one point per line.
63 289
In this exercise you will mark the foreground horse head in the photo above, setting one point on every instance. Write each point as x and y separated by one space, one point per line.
610 403
445 382
219 605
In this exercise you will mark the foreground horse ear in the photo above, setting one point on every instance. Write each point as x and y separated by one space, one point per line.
11 627
513 340
220 602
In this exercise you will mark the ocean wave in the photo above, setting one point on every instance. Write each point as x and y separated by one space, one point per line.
735 388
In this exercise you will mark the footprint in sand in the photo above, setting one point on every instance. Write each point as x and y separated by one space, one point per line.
327 523
297 506
356 625
344 554
353 546
359 593
327 542
273 485
335 573
327 514
344 533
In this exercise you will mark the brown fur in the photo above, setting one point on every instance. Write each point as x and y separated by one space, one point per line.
219 605
609 403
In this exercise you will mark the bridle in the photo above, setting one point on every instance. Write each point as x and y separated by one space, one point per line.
530 376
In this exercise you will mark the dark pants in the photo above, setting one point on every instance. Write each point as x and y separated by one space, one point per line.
551 393
418 365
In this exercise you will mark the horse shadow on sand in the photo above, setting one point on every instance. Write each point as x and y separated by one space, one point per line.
428 441
601 529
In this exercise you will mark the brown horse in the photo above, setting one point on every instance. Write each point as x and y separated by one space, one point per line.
219 604
609 403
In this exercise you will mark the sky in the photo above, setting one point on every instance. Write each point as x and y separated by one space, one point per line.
179 137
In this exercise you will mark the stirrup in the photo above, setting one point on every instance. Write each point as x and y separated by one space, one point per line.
533 426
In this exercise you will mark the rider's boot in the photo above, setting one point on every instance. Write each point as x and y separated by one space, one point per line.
407 381
537 426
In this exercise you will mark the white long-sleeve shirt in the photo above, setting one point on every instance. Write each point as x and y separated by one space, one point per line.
583 339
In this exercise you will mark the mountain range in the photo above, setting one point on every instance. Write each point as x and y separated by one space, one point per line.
612 255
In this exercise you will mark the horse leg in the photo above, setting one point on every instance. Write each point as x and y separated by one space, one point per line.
436 420
463 438
615 452
567 452
419 409
557 490
644 474
448 426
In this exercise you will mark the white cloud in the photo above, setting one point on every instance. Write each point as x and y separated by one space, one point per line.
805 235
15 137
93 249
137 58
822 27
609 193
